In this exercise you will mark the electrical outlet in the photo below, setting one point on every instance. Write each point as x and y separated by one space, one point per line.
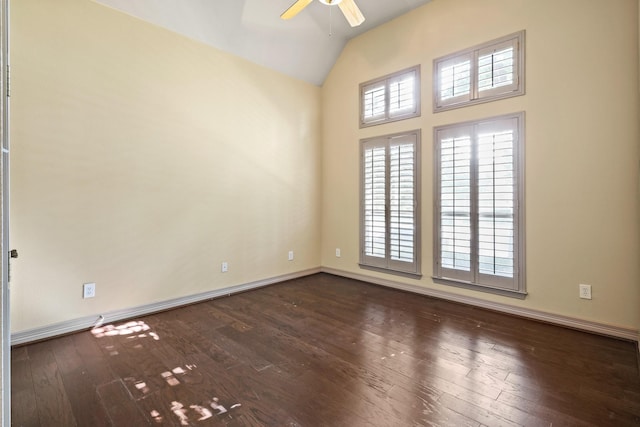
585 291
88 290
337 252
290 255
225 267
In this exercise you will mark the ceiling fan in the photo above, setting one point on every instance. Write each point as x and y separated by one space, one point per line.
348 8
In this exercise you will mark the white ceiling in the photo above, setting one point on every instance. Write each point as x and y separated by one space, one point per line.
252 29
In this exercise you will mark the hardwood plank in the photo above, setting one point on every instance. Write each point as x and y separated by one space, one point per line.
19 353
78 375
24 406
84 400
94 364
120 407
53 404
478 413
195 347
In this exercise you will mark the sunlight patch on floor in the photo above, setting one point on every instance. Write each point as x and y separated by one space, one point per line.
185 414
130 328
182 412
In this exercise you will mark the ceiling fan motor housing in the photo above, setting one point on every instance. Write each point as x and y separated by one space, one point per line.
348 7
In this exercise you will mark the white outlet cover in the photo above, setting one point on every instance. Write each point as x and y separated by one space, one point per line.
88 290
290 255
585 291
338 252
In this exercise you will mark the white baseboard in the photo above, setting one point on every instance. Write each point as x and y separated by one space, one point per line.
557 319
87 322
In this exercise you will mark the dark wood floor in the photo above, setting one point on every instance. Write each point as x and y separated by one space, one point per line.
327 351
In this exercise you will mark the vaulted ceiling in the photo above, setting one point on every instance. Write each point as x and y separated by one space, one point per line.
305 47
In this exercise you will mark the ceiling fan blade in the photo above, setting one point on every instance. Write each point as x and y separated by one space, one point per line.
295 8
351 11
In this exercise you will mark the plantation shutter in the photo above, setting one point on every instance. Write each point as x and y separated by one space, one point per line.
402 94
454 80
374 102
497 69
402 190
478 187
375 189
492 70
390 98
389 207
497 201
455 203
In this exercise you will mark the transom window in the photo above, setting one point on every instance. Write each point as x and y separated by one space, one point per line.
389 98
490 71
389 208
479 209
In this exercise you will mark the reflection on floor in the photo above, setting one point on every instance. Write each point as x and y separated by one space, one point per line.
128 328
140 330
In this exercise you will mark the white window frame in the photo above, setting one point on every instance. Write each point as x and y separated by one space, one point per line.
384 84
469 59
386 261
473 278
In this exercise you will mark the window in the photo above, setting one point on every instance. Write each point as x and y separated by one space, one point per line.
479 209
389 208
483 73
390 98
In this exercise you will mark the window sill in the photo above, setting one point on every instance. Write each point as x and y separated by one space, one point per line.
366 124
481 288
438 108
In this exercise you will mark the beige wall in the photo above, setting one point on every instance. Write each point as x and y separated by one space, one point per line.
582 137
142 160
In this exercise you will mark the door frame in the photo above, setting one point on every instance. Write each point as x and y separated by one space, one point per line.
5 327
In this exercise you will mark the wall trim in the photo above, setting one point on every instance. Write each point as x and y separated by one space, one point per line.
557 319
87 322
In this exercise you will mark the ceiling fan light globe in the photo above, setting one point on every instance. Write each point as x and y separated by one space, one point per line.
330 2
